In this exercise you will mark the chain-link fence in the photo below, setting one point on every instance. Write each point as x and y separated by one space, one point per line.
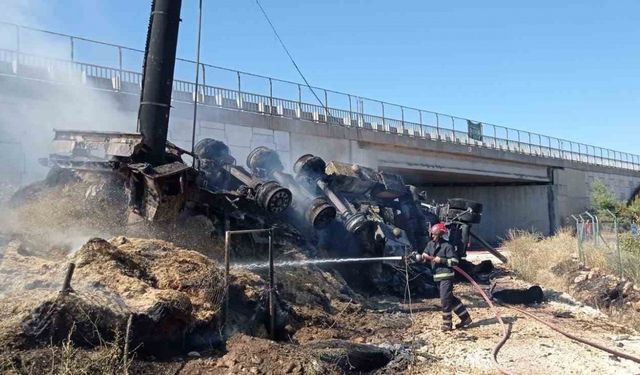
607 241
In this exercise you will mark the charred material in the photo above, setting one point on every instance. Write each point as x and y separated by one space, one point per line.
384 196
221 173
265 163
310 173
527 296
459 215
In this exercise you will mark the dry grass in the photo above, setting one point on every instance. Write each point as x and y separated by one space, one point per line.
531 256
67 359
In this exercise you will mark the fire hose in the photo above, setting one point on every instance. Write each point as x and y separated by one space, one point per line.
506 328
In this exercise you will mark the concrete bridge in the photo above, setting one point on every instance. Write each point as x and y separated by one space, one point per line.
526 180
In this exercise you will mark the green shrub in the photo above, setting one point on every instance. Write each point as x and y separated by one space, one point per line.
630 244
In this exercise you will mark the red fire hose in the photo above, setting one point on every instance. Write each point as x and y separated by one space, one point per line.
506 328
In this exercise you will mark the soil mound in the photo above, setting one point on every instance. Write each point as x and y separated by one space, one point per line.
169 293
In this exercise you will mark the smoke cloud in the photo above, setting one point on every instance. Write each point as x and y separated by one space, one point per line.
46 95
40 92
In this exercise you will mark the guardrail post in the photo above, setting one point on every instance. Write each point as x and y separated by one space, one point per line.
271 97
350 110
120 61
384 125
495 136
299 101
17 47
421 127
18 39
402 114
326 107
71 46
438 126
453 127
239 91
530 145
507 130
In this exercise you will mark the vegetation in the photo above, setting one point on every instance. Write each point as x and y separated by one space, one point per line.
603 200
548 260
110 358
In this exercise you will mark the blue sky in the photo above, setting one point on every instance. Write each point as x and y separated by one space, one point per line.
570 69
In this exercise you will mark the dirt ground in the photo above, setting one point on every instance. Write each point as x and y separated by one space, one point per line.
325 326
411 333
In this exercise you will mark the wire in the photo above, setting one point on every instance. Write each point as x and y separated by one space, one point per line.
195 99
407 290
286 50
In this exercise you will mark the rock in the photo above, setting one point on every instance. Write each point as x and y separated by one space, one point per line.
289 368
628 286
591 274
229 362
256 360
359 340
194 354
580 278
253 370
121 240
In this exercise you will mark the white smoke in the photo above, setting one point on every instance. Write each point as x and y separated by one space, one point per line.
31 108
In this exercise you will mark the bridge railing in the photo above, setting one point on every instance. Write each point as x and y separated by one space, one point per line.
119 70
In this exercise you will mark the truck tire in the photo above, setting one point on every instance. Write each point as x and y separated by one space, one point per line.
463 204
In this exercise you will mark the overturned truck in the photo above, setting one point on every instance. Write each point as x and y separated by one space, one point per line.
345 209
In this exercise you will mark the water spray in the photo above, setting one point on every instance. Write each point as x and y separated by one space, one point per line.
305 262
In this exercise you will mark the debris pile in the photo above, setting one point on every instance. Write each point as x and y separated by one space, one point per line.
169 292
597 288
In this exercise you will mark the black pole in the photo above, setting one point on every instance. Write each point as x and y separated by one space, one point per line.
160 59
66 285
272 305
227 267
490 248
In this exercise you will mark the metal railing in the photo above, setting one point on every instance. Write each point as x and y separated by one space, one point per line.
239 90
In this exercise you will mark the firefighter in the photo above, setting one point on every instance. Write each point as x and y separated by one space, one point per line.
442 256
